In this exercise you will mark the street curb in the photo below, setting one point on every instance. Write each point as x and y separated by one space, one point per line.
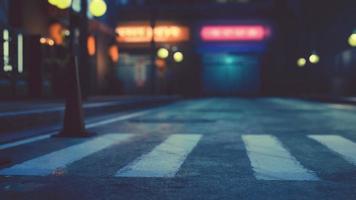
21 122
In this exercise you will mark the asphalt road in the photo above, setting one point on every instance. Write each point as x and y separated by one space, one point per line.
229 148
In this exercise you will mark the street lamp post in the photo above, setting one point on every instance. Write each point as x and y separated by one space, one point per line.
73 125
83 54
153 45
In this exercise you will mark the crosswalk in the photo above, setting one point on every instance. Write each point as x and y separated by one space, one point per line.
265 151
338 144
52 162
163 161
268 157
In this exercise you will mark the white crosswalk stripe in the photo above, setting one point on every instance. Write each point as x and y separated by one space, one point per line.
163 161
52 162
271 161
268 157
338 144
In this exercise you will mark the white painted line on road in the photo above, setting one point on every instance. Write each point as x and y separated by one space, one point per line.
163 161
91 125
116 119
53 162
271 161
24 141
338 144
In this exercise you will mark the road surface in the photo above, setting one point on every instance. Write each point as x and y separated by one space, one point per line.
214 148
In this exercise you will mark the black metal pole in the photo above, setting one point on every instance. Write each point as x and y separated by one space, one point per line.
73 125
153 46
84 67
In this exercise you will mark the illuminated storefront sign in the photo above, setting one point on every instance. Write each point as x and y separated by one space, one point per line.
144 33
234 33
6 51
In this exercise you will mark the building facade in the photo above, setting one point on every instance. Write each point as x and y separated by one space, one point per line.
190 48
38 46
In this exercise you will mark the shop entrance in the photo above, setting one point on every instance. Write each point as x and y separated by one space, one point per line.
231 74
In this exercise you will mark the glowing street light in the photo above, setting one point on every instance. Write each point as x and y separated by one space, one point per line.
352 40
64 4
53 2
301 62
43 40
61 4
178 57
314 58
47 41
51 42
97 8
163 53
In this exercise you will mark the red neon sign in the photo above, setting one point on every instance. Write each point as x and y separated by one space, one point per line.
234 33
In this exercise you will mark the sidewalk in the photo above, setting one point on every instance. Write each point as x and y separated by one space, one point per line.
332 99
18 116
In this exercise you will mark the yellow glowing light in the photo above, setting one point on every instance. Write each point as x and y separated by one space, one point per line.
97 8
50 42
53 2
64 4
163 53
178 57
301 62
314 58
47 41
352 40
43 40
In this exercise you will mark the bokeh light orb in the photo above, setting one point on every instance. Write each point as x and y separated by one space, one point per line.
352 40
64 4
314 58
178 57
301 62
97 8
53 2
163 53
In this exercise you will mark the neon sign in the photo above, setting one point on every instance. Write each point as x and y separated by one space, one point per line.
234 33
144 33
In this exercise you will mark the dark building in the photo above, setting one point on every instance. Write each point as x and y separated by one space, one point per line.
38 61
223 47
269 66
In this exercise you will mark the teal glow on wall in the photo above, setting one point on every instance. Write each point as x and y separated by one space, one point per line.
230 74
